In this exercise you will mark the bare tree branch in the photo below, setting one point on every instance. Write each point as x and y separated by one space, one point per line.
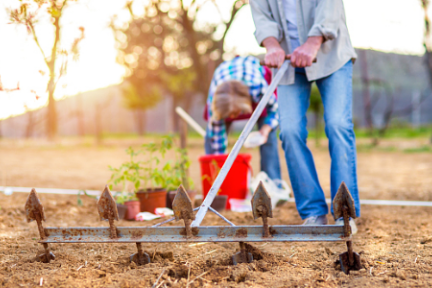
33 31
228 24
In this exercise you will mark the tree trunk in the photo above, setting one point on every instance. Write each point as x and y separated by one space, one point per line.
51 113
98 125
366 95
30 124
388 113
365 90
140 117
175 118
80 116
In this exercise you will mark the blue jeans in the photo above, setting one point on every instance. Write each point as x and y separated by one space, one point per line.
269 153
336 94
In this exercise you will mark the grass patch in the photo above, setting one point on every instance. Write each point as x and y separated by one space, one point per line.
147 135
398 132
371 147
421 149
405 132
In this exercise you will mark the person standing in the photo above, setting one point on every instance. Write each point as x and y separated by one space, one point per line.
308 30
235 90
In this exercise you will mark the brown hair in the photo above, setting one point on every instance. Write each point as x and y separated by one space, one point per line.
231 96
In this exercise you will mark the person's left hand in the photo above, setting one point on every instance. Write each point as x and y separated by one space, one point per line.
306 53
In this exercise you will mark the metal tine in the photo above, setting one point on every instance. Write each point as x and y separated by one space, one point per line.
261 207
182 207
343 205
33 207
35 212
343 199
242 256
107 209
140 258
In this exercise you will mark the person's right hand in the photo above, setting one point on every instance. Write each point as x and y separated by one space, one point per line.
275 55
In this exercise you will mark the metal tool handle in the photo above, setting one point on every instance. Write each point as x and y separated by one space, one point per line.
237 146
185 116
287 57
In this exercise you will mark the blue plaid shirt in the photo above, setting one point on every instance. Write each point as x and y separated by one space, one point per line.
249 71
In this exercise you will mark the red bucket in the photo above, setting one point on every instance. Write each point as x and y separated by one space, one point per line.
236 182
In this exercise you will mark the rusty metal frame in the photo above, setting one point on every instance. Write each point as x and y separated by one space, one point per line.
278 233
182 206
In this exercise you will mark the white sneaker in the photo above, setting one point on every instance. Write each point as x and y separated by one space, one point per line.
354 229
316 220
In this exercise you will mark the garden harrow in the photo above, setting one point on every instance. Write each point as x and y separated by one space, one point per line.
182 207
191 231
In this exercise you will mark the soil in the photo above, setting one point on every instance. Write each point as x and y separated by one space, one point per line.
395 243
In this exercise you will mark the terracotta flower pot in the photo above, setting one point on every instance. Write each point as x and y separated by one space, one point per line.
133 208
150 199
171 195
122 211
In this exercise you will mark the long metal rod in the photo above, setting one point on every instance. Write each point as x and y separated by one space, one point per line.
279 233
221 216
169 220
185 116
238 145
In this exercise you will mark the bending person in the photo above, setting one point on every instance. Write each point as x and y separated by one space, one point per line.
236 88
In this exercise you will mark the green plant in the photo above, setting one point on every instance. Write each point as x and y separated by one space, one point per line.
79 201
153 171
178 173
167 174
124 196
127 173
154 176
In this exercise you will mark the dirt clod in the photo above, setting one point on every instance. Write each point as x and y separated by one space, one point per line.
217 274
329 251
256 253
239 273
401 275
263 266
179 271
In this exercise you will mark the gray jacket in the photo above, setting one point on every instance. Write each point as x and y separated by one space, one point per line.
314 18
